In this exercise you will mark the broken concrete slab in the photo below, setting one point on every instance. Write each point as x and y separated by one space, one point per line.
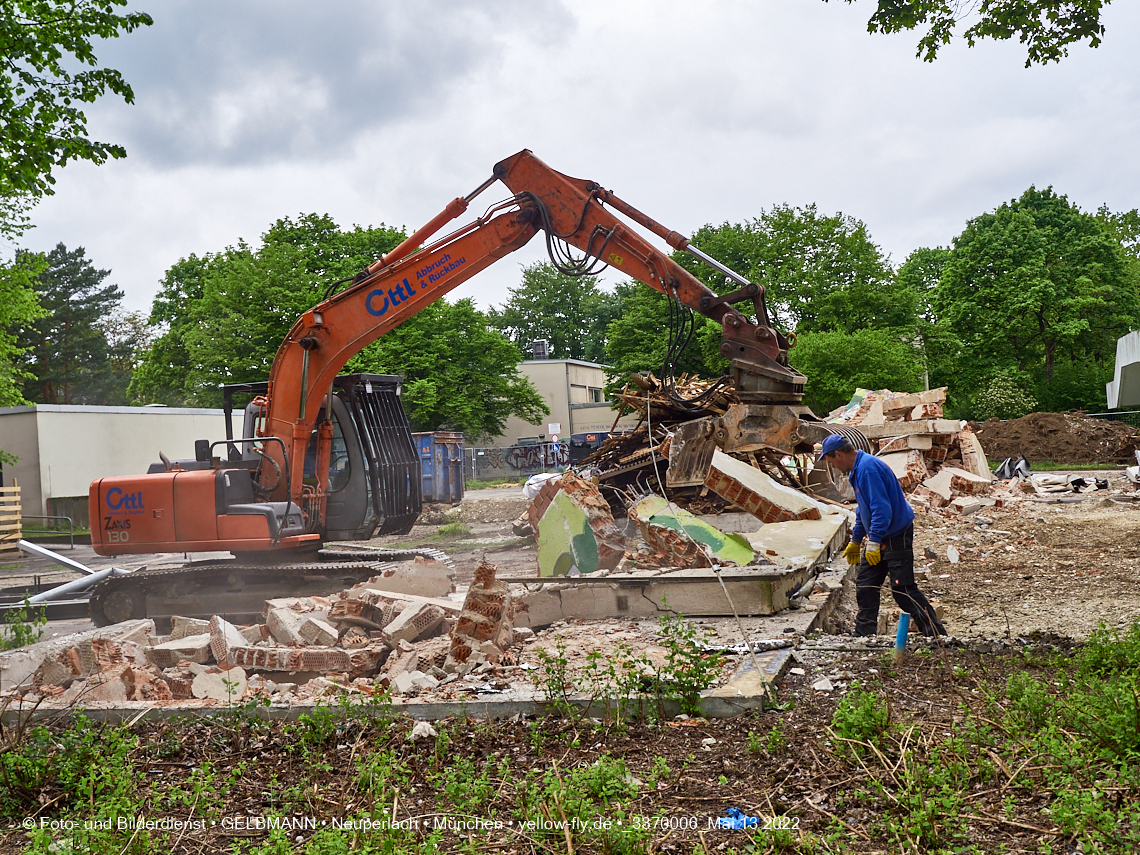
691 592
970 484
889 445
225 685
224 636
284 625
682 540
939 483
17 667
732 522
416 621
925 411
184 627
802 543
753 491
973 457
928 426
897 404
421 576
318 633
190 648
573 527
909 467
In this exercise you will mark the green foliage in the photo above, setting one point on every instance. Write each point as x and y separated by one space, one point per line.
1045 27
67 354
226 314
22 626
1033 285
454 527
1005 396
821 272
688 670
571 312
49 68
861 717
837 363
459 374
19 308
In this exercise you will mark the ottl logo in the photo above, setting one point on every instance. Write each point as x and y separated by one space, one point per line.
117 500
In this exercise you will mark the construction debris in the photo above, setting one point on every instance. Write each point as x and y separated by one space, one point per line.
679 539
335 643
574 528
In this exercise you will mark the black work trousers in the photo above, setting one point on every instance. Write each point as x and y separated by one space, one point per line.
897 562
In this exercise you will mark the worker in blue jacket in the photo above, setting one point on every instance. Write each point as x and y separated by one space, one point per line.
886 520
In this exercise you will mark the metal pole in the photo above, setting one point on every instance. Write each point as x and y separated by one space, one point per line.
36 549
60 592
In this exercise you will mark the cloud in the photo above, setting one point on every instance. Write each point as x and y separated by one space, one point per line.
257 82
694 113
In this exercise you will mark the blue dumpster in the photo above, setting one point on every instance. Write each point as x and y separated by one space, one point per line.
441 466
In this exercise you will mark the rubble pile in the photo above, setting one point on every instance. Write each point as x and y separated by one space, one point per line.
365 639
630 464
939 462
1065 438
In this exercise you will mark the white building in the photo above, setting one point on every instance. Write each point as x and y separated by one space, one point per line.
63 448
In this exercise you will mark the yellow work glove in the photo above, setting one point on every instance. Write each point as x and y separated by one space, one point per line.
873 554
851 553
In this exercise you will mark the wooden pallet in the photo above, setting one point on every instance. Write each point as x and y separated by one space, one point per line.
10 528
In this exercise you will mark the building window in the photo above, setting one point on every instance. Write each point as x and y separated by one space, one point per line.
597 396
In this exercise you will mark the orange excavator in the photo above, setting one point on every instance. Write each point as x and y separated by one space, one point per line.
297 477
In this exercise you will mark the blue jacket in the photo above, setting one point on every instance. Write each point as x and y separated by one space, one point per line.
883 510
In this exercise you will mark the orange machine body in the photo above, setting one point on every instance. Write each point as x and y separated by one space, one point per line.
175 512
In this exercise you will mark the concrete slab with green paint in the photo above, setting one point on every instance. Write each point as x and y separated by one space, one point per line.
565 539
726 548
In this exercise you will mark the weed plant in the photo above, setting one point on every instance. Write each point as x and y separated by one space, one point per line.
22 626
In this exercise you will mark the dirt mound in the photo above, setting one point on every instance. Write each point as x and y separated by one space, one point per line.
1059 437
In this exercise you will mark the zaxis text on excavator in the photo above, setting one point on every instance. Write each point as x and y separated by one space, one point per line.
309 466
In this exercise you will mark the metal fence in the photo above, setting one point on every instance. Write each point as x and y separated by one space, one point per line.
1129 417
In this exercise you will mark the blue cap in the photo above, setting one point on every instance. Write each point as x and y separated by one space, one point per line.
832 442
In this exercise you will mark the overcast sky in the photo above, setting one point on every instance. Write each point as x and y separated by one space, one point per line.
696 113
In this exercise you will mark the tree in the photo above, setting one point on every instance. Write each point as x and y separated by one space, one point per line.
571 312
19 308
837 362
1046 27
1035 286
66 353
42 43
819 272
459 373
639 338
224 315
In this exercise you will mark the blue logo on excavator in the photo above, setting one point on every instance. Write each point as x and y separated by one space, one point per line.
117 500
379 301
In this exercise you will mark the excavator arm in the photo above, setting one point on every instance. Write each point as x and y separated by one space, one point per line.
570 211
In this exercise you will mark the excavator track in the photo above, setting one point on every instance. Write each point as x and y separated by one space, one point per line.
234 589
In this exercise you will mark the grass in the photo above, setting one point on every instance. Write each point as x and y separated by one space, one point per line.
1041 754
473 484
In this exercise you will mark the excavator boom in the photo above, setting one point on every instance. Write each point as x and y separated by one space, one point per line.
215 510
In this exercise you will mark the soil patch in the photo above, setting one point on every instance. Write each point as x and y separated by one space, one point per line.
1060 437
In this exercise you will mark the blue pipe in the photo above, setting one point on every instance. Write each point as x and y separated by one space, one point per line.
900 636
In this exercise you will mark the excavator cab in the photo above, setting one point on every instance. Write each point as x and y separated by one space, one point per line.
373 483
373 478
